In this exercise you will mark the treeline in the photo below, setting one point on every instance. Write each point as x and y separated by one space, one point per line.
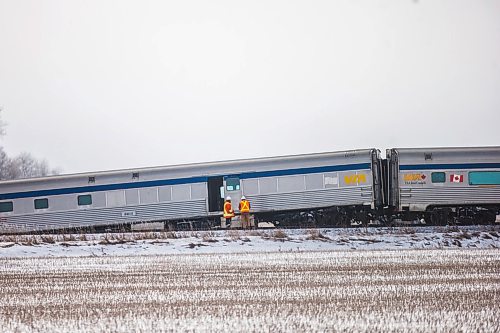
22 166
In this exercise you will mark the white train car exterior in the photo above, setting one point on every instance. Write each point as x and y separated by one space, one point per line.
192 191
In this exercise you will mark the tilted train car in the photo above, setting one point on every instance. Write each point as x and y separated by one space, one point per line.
445 185
349 181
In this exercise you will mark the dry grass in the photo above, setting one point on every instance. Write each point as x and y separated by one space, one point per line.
389 291
406 230
108 238
465 235
209 237
279 234
258 233
234 235
49 239
315 234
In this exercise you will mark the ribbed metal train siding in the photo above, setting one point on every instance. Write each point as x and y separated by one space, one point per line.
312 199
188 209
456 195
104 216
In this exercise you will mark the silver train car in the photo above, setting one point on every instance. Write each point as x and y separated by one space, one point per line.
344 183
444 185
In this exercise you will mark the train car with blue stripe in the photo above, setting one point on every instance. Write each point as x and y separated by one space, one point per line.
335 186
444 185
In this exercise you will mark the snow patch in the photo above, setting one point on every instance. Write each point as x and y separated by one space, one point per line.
244 241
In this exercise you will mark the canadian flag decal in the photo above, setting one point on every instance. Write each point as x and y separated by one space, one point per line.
456 178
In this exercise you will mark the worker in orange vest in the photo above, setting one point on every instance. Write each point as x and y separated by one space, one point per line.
228 211
245 212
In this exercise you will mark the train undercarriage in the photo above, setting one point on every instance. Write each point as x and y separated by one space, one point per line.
331 217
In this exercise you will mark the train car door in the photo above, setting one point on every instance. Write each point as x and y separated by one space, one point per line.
215 194
233 189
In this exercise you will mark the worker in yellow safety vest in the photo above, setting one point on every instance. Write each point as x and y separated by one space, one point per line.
245 212
228 211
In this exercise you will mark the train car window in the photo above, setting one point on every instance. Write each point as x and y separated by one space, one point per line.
268 185
165 193
115 198
484 178
316 181
291 183
148 195
232 184
6 206
84 200
41 203
438 177
198 191
250 186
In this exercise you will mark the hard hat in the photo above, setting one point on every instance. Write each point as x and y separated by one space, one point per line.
243 197
228 198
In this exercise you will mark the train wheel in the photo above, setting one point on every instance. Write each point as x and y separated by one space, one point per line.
343 221
441 217
486 217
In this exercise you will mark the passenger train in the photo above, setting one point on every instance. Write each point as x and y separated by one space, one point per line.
428 185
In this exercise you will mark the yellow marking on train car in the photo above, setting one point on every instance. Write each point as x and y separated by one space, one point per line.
354 179
413 177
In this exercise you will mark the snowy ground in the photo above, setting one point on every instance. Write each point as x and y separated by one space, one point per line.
404 290
443 279
298 240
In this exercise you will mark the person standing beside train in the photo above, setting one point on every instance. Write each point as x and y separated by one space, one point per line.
245 212
228 211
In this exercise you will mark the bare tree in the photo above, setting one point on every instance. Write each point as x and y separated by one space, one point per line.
4 158
13 170
55 171
4 164
22 166
28 167
26 164
2 124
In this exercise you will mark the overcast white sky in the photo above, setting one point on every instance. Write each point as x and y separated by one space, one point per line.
97 85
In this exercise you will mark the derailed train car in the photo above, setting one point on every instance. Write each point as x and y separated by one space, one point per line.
444 185
330 187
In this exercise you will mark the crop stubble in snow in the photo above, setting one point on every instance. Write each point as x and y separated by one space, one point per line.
406 290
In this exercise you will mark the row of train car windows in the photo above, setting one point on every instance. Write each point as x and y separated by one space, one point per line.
8 206
475 177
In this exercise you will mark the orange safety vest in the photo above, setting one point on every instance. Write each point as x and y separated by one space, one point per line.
244 206
228 210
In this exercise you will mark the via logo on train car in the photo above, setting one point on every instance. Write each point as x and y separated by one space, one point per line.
414 178
355 179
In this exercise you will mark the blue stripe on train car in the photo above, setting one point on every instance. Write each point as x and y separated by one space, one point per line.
178 181
97 188
301 171
449 166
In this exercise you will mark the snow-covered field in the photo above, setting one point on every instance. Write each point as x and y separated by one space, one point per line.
455 290
355 280
155 243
